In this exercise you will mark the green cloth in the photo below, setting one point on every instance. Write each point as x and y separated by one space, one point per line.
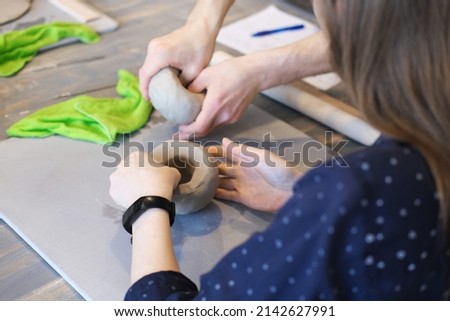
20 46
87 118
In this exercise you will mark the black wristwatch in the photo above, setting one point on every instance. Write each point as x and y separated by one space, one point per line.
144 203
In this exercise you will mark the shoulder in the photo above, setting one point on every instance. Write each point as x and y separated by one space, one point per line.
376 214
388 182
388 159
388 169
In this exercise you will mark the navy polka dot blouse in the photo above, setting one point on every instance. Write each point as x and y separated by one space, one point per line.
366 231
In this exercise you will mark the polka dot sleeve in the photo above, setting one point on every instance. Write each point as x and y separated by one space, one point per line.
295 258
160 286
364 229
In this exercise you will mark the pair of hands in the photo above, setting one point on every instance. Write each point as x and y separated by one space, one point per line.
255 177
230 86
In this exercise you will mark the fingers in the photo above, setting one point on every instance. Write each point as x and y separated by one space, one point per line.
238 153
133 160
218 151
176 177
215 151
227 170
145 75
144 81
146 72
227 183
201 126
205 120
230 160
225 167
243 152
229 195
187 75
136 159
235 155
156 59
228 144
115 184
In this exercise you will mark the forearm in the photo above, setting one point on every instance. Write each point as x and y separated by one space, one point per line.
293 62
152 245
210 14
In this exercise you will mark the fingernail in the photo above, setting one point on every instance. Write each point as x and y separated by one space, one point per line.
226 140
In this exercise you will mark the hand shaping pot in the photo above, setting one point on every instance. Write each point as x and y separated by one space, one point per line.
199 175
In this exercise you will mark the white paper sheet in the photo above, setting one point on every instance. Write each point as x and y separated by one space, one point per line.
238 36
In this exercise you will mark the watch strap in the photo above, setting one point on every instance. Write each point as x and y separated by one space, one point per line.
142 204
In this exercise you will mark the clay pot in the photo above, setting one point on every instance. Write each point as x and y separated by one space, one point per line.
199 174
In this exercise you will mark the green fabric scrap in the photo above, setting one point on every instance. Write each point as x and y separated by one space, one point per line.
20 46
90 119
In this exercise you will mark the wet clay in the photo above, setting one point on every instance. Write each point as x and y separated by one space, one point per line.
199 175
172 99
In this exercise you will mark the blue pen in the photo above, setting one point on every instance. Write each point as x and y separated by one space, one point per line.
269 32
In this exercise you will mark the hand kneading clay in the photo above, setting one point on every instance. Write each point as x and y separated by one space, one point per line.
199 175
171 99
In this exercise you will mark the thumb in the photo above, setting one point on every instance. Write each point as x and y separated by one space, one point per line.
244 152
204 122
226 142
199 84
188 74
234 149
200 127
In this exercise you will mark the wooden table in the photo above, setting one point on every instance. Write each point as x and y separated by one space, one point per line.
92 69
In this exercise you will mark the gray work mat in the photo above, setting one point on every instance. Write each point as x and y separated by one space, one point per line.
54 193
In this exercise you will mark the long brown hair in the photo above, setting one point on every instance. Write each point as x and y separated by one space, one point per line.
394 56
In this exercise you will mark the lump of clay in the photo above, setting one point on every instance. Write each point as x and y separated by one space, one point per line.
171 99
199 175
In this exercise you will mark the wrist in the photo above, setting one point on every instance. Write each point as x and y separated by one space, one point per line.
151 217
282 196
209 14
161 191
145 205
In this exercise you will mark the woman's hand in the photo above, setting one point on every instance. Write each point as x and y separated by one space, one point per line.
138 176
152 244
255 177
